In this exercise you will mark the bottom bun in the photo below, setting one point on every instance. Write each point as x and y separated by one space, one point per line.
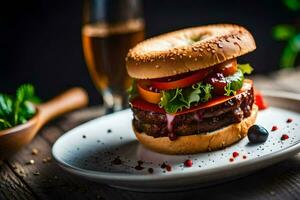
218 139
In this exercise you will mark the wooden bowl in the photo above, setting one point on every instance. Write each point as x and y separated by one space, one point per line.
13 139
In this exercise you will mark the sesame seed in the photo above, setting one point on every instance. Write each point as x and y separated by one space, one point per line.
30 162
34 151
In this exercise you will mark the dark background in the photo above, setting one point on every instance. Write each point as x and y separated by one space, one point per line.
41 40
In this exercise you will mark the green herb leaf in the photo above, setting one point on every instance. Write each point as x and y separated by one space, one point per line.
26 92
6 106
18 110
234 83
284 32
245 68
175 100
4 124
132 90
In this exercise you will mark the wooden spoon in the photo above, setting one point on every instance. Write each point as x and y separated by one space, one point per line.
12 139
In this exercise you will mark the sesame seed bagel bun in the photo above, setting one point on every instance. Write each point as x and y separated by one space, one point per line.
188 50
190 144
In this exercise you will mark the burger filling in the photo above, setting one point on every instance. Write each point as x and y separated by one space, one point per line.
192 103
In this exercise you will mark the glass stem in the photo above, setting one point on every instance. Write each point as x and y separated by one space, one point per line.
112 102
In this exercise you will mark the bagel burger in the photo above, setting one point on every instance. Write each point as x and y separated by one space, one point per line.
189 94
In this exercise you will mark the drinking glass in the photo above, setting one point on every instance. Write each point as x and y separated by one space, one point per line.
110 28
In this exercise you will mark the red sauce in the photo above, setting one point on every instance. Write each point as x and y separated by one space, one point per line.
235 154
166 166
274 128
284 137
188 163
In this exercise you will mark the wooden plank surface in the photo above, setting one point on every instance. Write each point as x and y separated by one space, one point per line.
45 177
11 187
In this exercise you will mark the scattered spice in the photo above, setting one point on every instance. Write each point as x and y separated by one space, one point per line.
231 159
150 170
244 157
34 151
289 120
166 166
116 161
30 162
108 130
284 137
235 154
36 173
188 163
47 159
139 165
274 128
163 166
83 136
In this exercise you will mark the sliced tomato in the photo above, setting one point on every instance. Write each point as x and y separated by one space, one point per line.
143 105
146 94
259 100
180 81
227 68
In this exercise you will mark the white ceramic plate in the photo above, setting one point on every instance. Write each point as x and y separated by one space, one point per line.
106 150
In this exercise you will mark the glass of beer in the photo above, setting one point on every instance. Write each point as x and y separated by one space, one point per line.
110 29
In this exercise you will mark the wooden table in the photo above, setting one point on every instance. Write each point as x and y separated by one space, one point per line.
20 178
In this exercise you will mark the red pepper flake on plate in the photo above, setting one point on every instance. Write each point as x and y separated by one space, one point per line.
274 128
244 156
289 120
284 137
231 159
235 154
168 168
188 163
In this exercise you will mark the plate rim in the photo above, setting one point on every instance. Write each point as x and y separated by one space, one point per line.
274 157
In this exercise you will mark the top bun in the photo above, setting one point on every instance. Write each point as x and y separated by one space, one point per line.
188 50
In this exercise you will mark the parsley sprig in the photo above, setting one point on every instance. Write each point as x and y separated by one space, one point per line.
18 109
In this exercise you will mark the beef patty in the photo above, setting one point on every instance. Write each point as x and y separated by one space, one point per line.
197 122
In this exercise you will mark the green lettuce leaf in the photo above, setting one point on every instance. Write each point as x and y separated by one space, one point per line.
245 68
132 90
234 83
177 99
